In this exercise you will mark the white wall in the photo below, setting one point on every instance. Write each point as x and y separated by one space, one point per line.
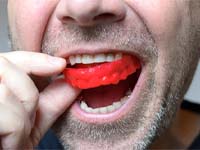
193 93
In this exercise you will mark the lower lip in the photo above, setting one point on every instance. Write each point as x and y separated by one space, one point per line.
81 115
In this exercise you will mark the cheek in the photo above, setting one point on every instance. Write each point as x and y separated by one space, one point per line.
162 17
28 20
165 21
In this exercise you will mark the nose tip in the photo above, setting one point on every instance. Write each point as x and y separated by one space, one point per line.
90 12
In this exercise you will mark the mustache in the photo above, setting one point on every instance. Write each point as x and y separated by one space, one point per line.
113 36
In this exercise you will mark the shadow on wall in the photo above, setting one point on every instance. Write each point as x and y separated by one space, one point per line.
4 42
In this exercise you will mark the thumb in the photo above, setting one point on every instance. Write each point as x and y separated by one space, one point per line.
53 101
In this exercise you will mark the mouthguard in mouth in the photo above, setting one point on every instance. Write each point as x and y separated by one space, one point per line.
93 75
107 80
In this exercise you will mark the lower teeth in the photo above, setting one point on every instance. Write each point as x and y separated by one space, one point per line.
107 109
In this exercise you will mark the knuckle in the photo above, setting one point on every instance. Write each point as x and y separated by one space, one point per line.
31 93
4 64
4 92
15 123
32 101
21 125
34 95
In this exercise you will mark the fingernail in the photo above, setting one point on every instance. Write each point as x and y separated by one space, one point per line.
56 61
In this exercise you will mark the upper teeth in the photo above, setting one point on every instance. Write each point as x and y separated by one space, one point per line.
98 58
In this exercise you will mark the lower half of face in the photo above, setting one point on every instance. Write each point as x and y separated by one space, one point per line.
125 111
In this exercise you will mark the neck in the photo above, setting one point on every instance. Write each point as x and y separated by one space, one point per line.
181 133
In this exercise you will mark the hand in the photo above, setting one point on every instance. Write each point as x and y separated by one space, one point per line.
26 114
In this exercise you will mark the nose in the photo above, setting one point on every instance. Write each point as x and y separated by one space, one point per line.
90 12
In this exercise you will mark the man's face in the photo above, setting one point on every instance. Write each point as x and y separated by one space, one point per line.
163 34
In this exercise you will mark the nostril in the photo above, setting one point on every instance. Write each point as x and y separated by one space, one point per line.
105 16
68 19
99 18
90 12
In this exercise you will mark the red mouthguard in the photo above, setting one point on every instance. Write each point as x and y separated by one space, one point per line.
94 75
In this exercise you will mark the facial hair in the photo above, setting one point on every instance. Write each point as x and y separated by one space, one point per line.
157 103
138 128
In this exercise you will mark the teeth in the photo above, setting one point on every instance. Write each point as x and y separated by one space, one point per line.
118 56
98 58
78 59
111 108
104 110
123 100
84 106
110 58
117 104
86 59
72 60
96 111
128 93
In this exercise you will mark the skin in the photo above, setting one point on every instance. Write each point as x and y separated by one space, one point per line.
162 33
179 135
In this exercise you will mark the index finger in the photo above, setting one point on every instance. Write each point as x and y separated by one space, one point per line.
36 63
53 102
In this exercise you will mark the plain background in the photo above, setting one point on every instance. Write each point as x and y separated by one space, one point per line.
193 93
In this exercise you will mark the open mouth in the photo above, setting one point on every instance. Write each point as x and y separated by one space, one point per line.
107 80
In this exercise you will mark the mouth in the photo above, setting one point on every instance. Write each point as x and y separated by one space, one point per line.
108 82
